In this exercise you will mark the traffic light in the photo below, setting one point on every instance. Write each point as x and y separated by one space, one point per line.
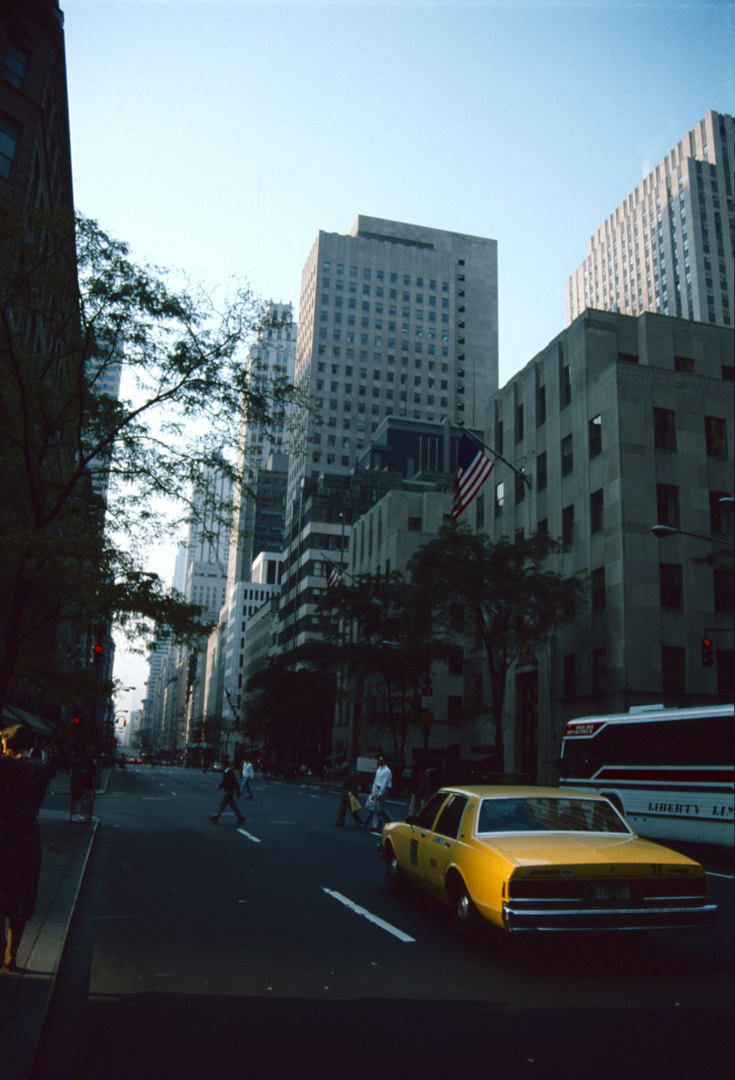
708 658
77 720
98 648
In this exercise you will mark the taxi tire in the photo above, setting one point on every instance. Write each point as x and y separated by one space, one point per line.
394 876
466 917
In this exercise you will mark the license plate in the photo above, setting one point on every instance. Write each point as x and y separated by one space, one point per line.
613 890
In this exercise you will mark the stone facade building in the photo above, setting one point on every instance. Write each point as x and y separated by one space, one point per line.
620 423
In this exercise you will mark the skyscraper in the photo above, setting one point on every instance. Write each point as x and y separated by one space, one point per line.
394 320
669 245
270 357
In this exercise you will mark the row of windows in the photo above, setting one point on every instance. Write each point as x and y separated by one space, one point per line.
418 348
664 436
715 433
350 336
667 507
673 672
378 373
380 275
380 294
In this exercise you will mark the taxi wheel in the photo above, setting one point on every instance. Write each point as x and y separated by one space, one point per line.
393 874
466 917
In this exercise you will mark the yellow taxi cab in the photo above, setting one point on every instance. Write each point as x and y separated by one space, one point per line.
532 858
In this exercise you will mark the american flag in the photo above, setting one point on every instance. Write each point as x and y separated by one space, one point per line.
233 700
333 575
473 469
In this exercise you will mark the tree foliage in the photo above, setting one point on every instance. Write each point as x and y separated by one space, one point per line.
496 595
291 705
385 639
92 479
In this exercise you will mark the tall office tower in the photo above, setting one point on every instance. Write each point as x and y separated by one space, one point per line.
394 320
669 245
271 356
207 546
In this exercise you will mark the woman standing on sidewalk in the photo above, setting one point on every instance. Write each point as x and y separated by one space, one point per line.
23 782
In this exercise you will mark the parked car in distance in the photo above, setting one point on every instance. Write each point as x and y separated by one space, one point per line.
542 859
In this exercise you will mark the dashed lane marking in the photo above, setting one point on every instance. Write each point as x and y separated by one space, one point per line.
249 836
368 915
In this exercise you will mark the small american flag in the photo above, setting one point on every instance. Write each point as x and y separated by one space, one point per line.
473 469
233 700
333 575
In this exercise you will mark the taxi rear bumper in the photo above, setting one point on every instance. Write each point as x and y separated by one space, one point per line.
520 915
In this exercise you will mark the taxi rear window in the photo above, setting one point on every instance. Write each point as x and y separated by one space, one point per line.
549 815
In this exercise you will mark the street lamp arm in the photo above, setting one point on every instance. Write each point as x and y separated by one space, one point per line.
662 531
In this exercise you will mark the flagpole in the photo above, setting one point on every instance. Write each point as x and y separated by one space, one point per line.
518 472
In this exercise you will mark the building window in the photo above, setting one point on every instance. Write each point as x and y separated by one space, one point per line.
673 669
667 505
9 139
716 436
672 585
724 586
499 498
456 661
567 455
598 589
480 511
540 405
664 429
595 436
596 503
565 390
16 62
718 522
415 524
454 708
570 675
599 680
567 525
520 488
541 472
684 363
519 423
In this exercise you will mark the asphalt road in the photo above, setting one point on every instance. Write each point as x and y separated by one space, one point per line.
274 949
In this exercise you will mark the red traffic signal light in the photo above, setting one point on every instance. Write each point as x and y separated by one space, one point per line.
708 658
77 720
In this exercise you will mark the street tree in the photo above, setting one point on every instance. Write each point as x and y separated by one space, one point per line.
291 707
385 642
497 596
92 478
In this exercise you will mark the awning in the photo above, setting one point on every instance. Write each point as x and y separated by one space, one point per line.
13 715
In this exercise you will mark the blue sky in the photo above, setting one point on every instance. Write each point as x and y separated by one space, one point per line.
219 136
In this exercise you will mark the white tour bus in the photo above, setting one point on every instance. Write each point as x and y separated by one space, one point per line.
670 771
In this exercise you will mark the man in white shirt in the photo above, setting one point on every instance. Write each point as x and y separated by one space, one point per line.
248 772
381 786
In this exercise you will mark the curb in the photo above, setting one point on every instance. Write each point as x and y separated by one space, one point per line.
24 1010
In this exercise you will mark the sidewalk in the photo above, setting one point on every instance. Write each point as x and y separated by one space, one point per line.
25 995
